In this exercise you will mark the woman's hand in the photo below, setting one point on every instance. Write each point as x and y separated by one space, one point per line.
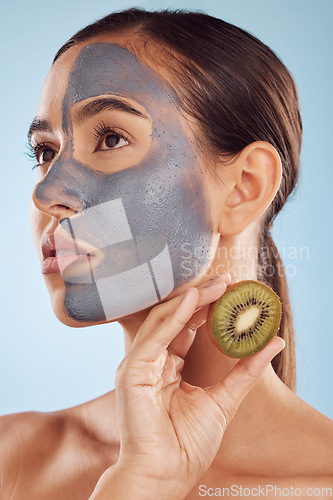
170 431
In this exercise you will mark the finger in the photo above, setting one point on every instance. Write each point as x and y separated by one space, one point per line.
171 370
225 276
164 309
233 280
149 347
229 393
181 344
162 312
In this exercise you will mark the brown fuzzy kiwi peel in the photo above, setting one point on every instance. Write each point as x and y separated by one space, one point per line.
224 316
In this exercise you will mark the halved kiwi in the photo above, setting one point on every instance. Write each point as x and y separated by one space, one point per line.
244 319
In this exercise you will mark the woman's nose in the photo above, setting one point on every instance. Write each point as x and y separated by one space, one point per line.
59 194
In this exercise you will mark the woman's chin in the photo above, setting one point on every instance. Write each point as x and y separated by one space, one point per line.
81 321
71 307
78 304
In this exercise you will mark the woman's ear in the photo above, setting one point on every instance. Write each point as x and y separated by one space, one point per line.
254 179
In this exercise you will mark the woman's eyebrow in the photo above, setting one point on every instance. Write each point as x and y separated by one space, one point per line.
86 111
102 104
37 125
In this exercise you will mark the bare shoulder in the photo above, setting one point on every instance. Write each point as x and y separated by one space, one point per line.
37 447
18 430
308 440
24 439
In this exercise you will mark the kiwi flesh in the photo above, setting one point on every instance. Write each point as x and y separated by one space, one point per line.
244 319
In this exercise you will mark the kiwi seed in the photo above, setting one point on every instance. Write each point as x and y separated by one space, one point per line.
244 319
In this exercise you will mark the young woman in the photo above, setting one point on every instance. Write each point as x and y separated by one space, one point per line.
166 143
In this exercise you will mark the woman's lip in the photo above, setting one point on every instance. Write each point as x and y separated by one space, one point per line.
60 242
62 254
53 265
50 265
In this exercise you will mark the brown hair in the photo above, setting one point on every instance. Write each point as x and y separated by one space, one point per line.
239 92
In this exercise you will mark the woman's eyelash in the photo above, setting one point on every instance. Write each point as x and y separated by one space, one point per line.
30 152
102 129
33 150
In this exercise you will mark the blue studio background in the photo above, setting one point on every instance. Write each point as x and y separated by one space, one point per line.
47 366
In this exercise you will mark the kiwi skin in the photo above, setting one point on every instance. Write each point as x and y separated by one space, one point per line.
212 309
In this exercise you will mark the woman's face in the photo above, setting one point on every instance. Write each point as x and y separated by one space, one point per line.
120 215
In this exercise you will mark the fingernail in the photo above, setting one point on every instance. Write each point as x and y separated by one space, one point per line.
281 344
223 277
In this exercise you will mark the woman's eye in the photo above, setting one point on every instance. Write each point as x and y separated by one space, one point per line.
45 156
113 141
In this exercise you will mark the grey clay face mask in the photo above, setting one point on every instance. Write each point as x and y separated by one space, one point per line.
150 223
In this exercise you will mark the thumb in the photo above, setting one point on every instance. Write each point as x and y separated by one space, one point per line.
229 393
